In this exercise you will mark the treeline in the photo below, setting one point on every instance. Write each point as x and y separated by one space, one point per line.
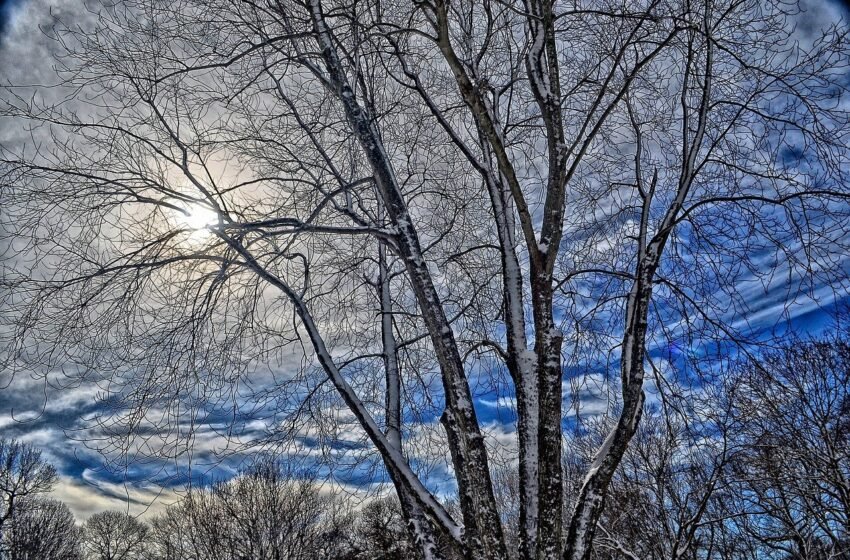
753 466
265 513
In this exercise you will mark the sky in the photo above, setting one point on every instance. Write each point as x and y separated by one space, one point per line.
51 418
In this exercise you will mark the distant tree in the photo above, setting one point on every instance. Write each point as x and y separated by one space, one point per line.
23 474
265 513
43 529
114 535
380 532
176 534
793 407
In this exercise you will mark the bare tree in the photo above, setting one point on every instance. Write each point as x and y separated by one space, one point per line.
793 475
189 530
114 535
431 199
266 513
42 529
666 498
380 532
172 536
23 475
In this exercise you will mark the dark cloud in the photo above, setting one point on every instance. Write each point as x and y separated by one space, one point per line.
7 10
843 4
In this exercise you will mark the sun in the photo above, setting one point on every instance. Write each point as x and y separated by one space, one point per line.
198 220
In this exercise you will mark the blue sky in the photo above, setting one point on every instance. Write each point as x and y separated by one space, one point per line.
6 12
51 415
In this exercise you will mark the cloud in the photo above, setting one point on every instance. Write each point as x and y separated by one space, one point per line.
88 496
49 414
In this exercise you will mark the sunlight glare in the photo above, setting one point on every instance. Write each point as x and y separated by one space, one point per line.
198 219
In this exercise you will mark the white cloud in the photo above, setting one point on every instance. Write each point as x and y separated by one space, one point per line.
85 498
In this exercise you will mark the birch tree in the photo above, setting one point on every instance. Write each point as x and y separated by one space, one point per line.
428 199
670 488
